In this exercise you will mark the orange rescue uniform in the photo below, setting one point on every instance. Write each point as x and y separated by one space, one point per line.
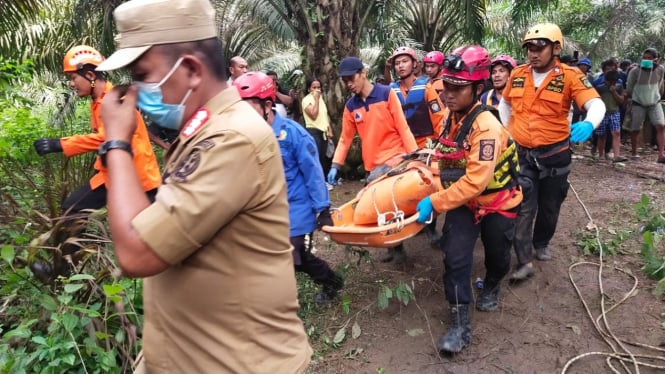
540 116
145 161
380 123
486 141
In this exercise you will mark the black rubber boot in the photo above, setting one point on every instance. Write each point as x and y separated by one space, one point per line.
488 300
330 289
458 335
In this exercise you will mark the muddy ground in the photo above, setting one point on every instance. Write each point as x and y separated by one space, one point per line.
541 324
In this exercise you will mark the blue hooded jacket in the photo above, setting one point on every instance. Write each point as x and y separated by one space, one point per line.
305 183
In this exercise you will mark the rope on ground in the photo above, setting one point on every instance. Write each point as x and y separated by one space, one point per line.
604 329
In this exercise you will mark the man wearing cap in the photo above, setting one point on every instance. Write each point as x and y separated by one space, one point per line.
220 292
535 106
375 114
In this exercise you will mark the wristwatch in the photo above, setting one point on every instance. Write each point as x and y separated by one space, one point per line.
113 144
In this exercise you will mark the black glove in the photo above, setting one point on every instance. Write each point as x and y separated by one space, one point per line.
324 219
47 145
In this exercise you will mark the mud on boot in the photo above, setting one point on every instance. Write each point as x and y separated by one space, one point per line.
330 289
488 300
458 335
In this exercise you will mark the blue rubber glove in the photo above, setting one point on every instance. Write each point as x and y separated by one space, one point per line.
332 176
425 209
580 131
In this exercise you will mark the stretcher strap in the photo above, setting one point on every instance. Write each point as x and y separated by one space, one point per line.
395 216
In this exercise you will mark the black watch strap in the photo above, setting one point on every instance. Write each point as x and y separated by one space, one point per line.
113 144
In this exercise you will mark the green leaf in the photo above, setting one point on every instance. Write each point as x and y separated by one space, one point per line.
69 321
7 253
113 289
19 332
68 359
382 300
339 336
77 277
39 340
48 302
346 304
120 336
73 287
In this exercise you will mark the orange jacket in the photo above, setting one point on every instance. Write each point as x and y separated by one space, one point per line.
486 141
145 161
540 117
380 123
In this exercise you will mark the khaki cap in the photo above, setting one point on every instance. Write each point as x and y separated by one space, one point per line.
144 23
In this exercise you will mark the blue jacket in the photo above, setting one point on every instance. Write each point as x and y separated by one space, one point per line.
305 183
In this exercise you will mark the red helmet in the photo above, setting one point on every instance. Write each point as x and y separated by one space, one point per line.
504 60
403 51
79 56
435 57
466 65
255 84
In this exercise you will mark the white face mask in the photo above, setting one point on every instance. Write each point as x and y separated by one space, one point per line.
151 102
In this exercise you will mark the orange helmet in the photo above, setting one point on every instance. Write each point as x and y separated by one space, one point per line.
79 56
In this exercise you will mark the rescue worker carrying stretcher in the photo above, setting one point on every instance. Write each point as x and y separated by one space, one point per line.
535 106
478 170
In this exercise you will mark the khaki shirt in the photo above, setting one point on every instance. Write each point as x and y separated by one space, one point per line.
228 303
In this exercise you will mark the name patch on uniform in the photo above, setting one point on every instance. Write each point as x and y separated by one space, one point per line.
555 86
434 106
196 122
517 82
486 150
586 82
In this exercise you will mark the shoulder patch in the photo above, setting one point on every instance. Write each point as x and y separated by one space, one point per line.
195 123
282 135
486 150
585 82
517 82
434 106
187 166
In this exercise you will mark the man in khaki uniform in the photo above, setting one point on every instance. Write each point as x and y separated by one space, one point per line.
220 291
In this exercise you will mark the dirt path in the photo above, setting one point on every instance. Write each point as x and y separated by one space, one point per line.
540 324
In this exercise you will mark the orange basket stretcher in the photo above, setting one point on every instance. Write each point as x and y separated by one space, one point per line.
383 214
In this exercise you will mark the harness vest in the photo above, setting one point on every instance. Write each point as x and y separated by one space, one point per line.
452 164
488 99
415 107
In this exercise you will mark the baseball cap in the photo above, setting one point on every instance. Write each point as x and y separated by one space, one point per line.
585 61
349 66
144 23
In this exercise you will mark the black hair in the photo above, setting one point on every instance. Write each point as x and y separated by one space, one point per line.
90 67
612 76
272 72
210 51
309 81
625 63
607 63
